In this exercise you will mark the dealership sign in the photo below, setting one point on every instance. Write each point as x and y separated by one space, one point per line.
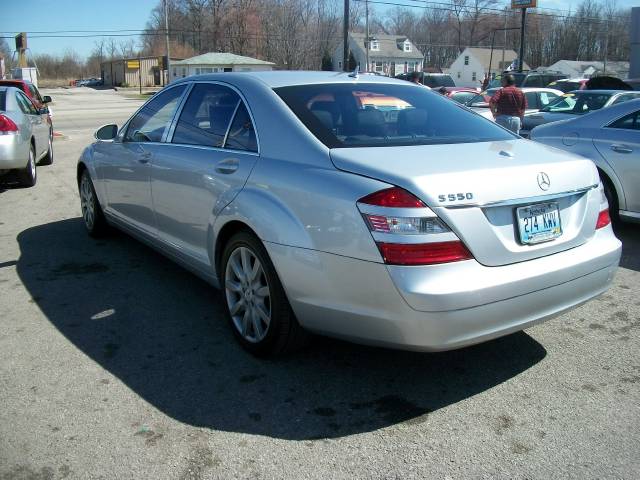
523 3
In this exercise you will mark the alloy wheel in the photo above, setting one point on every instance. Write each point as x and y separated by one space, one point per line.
248 294
87 201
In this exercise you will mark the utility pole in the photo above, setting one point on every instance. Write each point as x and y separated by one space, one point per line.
345 34
166 33
504 45
366 42
524 16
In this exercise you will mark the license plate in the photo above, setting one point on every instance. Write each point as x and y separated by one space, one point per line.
539 223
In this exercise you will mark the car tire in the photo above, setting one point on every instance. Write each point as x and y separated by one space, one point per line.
257 307
612 199
28 176
48 158
92 214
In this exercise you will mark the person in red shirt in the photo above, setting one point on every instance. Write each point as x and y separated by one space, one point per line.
508 105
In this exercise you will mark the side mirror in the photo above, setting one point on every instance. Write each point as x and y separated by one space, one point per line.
46 99
106 132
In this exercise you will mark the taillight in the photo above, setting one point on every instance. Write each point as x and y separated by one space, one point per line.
393 197
7 126
604 219
423 253
388 214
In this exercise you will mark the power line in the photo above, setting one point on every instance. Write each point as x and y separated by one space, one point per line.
427 5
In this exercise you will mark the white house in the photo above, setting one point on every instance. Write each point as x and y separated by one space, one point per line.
469 69
590 68
215 63
388 54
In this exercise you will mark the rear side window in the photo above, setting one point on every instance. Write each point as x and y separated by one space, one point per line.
241 135
206 116
380 115
630 122
532 100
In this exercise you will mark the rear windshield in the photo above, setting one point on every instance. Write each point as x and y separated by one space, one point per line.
435 81
3 105
381 115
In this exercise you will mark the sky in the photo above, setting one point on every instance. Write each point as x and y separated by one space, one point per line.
49 15
56 15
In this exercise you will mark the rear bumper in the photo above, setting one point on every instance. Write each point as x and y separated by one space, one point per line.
13 153
431 309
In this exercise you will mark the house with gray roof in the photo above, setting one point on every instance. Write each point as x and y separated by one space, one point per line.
469 69
388 54
217 62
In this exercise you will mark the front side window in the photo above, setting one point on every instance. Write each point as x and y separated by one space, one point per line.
629 122
206 115
25 104
577 103
153 120
35 94
380 115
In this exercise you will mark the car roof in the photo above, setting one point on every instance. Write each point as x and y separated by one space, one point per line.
286 78
540 89
603 91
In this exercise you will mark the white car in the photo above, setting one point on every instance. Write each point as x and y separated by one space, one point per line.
537 98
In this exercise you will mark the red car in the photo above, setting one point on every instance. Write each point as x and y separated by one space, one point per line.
32 92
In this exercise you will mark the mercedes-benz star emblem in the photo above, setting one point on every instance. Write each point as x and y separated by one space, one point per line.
543 181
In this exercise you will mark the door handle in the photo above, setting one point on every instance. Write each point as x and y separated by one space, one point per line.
621 148
144 157
227 166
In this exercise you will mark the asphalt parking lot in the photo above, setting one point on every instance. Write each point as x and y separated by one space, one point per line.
116 363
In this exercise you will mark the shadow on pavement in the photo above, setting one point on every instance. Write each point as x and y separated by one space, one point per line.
629 235
162 332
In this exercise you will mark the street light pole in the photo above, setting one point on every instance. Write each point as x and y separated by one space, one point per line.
166 32
345 33
366 41
493 38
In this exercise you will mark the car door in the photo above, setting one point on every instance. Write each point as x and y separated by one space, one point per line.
206 162
619 144
39 128
124 165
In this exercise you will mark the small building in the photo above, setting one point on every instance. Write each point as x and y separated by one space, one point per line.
590 68
132 72
217 62
389 55
469 69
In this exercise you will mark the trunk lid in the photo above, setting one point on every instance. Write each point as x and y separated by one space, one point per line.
477 187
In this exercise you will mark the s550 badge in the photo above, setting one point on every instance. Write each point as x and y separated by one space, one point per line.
455 197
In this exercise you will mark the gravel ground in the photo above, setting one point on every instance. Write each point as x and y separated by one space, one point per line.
116 363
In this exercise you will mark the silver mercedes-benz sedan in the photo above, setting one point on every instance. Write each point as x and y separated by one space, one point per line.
361 207
611 138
